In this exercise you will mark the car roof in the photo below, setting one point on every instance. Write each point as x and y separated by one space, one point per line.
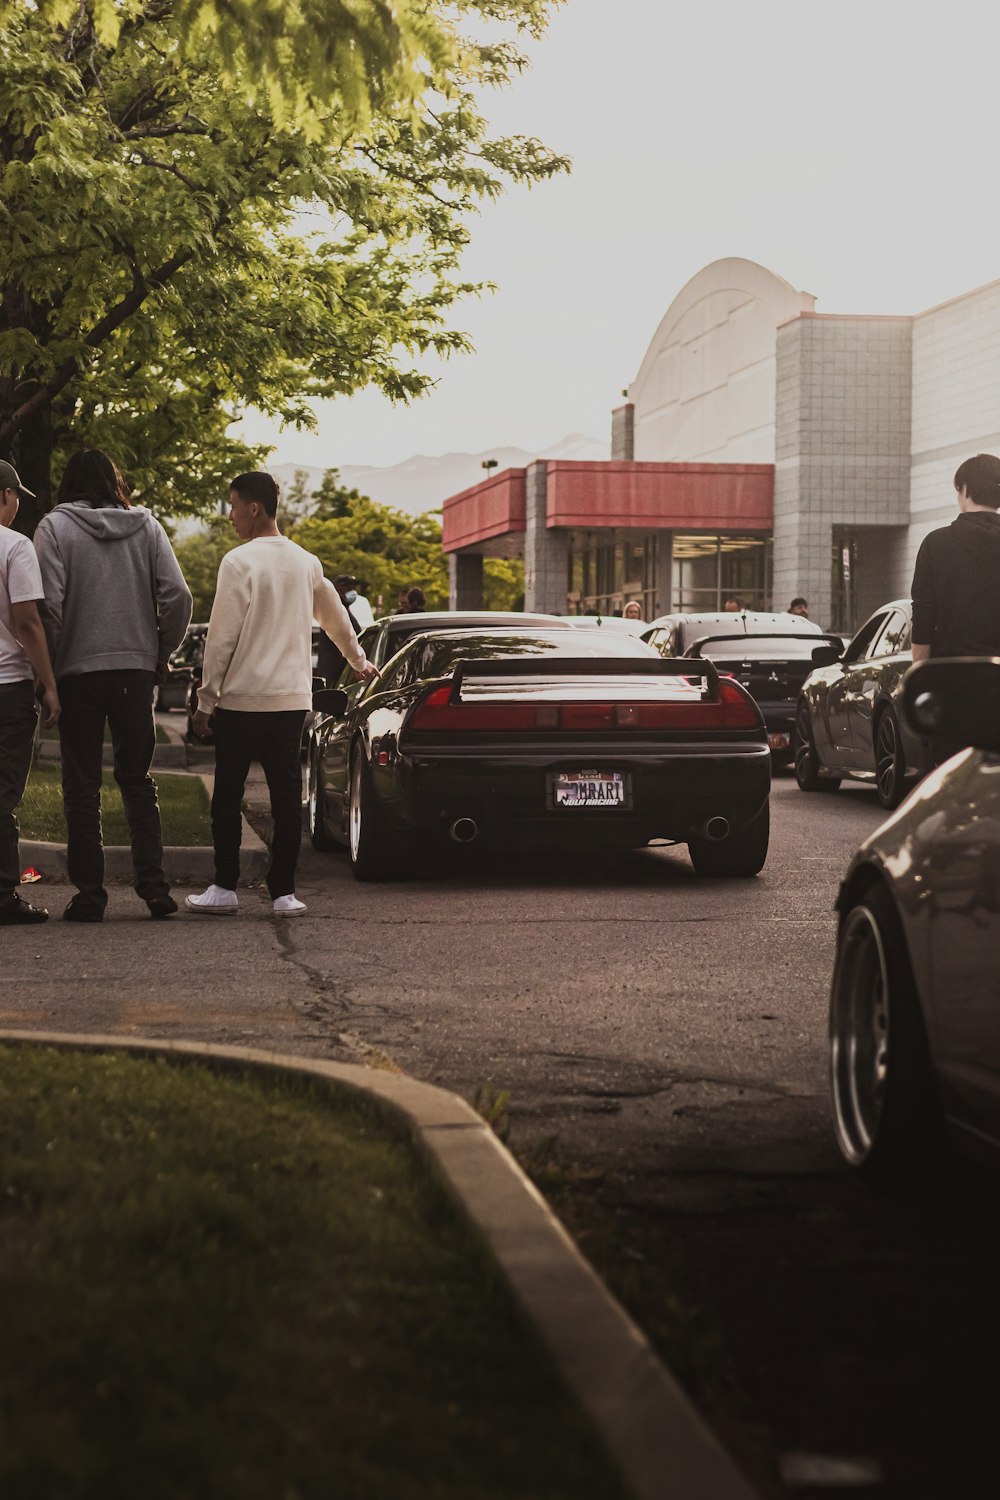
464 619
742 622
584 641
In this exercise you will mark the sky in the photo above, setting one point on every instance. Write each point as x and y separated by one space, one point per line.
852 149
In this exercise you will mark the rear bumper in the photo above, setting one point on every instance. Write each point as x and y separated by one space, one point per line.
671 793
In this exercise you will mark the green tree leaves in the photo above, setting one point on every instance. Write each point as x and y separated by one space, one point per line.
211 204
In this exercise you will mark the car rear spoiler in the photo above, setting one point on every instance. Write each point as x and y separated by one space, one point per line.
764 635
584 666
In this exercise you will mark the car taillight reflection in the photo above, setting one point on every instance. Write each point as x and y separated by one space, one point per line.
733 709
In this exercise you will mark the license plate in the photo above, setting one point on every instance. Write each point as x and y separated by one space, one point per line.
588 789
779 741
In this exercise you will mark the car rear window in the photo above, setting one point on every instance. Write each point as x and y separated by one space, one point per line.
438 657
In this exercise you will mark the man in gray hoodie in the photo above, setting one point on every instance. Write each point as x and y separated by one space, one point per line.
116 605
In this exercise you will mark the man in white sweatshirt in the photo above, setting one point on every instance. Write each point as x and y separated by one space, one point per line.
257 686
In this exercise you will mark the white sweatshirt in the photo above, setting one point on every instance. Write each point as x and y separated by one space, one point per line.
258 653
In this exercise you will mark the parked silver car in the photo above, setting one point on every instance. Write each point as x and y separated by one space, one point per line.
914 1029
848 724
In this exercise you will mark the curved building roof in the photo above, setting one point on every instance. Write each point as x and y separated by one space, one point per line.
705 391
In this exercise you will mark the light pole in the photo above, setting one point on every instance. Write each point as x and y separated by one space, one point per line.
488 464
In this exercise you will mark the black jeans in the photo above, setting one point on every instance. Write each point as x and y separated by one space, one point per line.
18 716
123 700
273 739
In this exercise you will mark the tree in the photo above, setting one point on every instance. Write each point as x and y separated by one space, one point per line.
157 268
385 548
199 556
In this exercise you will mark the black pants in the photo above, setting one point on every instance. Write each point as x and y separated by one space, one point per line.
18 716
274 740
123 700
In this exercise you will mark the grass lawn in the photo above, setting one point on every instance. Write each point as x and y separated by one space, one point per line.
227 1288
162 738
184 808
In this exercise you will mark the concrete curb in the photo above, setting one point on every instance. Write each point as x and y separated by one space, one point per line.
183 864
661 1445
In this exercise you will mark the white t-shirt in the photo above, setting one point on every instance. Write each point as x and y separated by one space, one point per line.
20 579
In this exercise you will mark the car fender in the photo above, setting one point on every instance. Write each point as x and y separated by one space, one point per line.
900 855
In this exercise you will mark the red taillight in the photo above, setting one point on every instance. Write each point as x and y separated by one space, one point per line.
733 709
438 713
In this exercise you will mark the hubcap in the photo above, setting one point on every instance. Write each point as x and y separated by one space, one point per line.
312 794
859 1035
885 757
355 812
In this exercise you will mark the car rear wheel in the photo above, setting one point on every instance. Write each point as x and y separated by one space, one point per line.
886 1117
890 763
372 849
742 852
807 766
316 807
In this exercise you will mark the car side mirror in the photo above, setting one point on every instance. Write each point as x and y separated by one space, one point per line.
330 701
825 656
955 701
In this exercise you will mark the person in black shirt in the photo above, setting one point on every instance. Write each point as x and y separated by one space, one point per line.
330 660
956 581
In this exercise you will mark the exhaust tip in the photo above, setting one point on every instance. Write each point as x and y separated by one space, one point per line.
717 829
464 830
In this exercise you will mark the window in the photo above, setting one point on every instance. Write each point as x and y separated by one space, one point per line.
864 638
894 638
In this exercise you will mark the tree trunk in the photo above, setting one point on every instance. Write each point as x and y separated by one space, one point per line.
32 458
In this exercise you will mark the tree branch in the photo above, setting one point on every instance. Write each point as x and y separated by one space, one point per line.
143 287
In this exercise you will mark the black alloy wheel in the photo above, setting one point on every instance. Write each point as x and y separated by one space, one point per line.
742 852
316 806
807 767
886 1116
890 762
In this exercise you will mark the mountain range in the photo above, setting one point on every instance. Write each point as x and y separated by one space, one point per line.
423 483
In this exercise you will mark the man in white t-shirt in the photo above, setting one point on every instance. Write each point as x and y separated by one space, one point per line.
23 655
257 686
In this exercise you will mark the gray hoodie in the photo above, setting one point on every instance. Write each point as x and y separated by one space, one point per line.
115 598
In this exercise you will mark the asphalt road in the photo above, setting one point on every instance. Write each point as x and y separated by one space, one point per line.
661 1038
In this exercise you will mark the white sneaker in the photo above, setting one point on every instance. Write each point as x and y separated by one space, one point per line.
290 906
215 902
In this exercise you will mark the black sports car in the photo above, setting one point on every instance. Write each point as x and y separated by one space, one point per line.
539 737
770 654
848 721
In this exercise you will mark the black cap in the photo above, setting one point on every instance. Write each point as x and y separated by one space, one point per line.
344 578
11 480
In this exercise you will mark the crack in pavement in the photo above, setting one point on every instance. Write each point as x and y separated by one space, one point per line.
331 996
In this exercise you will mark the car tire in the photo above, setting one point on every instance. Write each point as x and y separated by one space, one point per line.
315 808
890 762
743 852
371 847
887 1120
807 764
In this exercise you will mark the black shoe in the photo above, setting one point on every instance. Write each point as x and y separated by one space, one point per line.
77 913
161 906
18 913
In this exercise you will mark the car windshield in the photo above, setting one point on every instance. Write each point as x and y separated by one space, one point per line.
438 655
757 648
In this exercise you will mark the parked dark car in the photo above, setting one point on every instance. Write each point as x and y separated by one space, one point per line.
770 654
388 634
541 737
172 692
914 1034
848 722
